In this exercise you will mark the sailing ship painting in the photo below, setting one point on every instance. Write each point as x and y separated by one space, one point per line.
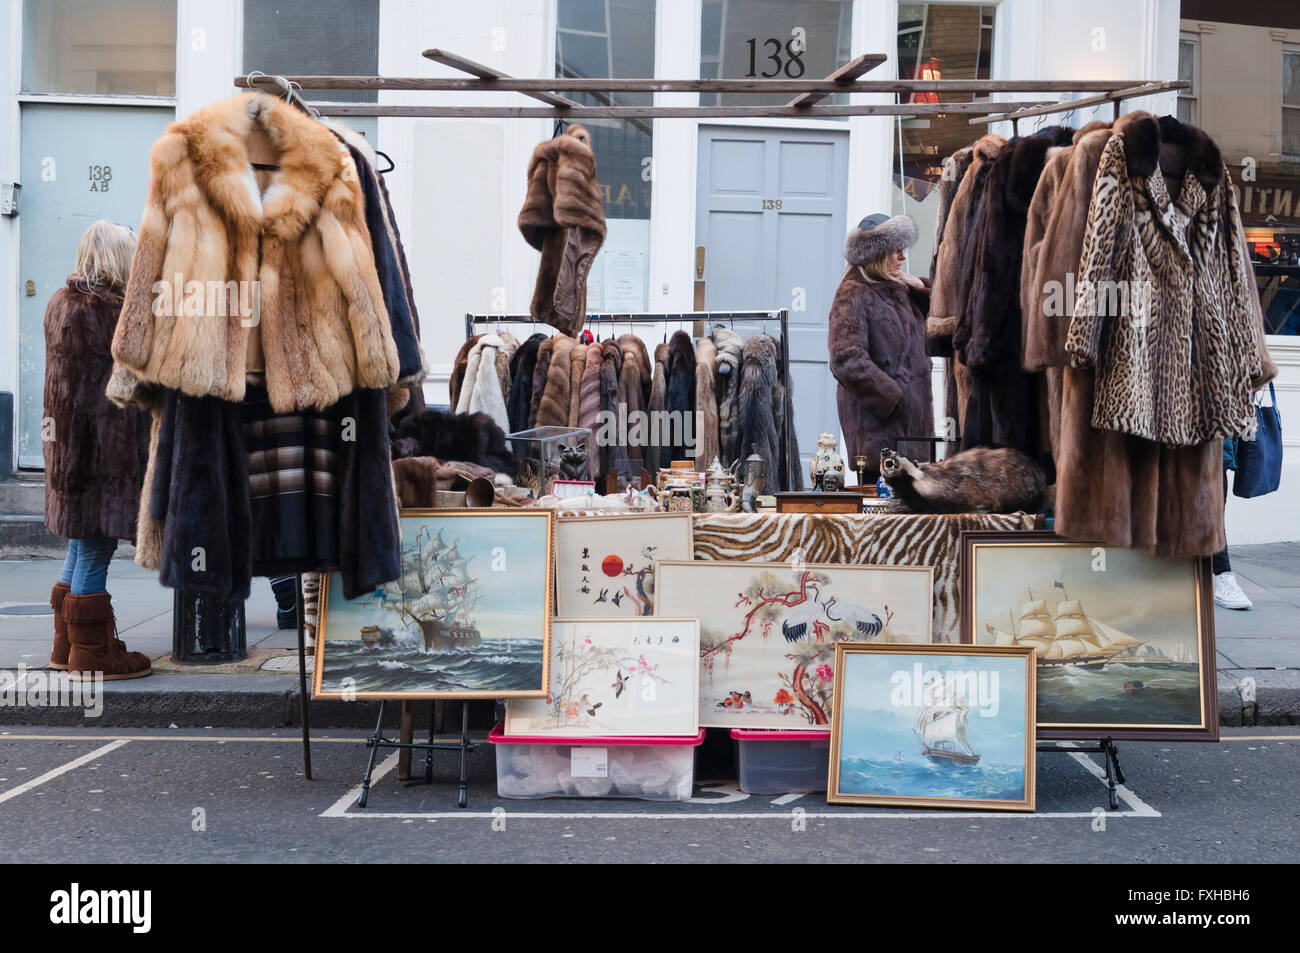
942 725
469 614
1117 635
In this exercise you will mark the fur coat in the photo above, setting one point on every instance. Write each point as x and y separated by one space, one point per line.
630 393
589 394
730 356
1002 407
95 453
481 392
577 366
522 366
542 368
679 397
630 343
706 403
877 354
564 218
1176 359
553 408
468 438
762 406
611 365
459 368
303 247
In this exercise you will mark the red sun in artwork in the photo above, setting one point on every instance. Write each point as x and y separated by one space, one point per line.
611 565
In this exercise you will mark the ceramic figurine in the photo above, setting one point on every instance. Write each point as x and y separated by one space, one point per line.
826 460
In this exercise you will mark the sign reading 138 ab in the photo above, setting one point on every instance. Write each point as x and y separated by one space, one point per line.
100 176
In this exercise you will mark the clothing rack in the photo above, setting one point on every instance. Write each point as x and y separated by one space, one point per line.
702 318
1115 96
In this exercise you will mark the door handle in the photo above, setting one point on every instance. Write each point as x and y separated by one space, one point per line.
699 262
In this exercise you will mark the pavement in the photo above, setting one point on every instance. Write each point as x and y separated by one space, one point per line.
1258 655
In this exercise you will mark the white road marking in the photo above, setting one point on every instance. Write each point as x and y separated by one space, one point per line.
1140 807
339 808
787 798
61 770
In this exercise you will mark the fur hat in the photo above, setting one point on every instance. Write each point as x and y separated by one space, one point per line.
878 235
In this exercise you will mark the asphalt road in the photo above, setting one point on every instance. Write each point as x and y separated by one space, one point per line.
224 796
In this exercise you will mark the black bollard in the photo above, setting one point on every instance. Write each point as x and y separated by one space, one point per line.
207 630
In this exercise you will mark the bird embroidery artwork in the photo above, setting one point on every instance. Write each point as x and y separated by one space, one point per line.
861 620
620 683
617 598
585 702
805 618
604 596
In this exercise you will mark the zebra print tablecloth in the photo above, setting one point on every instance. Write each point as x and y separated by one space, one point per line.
900 539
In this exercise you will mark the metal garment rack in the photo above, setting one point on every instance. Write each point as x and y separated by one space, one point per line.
595 322
809 92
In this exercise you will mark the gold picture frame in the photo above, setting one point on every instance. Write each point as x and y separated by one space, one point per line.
438 613
928 718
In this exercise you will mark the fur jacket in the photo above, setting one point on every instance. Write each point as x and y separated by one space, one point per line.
630 393
553 408
1176 358
481 392
706 403
589 394
611 366
763 403
877 354
540 370
577 366
730 356
679 397
302 250
95 453
1002 406
459 368
563 218
522 366
945 307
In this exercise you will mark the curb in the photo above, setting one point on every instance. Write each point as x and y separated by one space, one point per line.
272 701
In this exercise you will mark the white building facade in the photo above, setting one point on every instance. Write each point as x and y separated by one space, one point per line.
90 85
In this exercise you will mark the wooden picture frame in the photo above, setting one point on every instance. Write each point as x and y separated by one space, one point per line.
614 678
1110 666
895 696
768 630
618 559
470 617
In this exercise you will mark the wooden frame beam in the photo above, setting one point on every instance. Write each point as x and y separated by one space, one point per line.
1114 96
844 75
578 113
490 75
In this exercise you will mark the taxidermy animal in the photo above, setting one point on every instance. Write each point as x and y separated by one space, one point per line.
573 462
805 617
857 618
978 480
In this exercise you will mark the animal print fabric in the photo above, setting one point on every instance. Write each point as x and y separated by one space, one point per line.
889 540
1161 308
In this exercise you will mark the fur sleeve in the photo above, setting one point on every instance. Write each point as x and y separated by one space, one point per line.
1110 221
851 361
350 260
170 173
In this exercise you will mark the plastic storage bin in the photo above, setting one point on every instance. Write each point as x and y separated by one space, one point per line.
652 769
782 762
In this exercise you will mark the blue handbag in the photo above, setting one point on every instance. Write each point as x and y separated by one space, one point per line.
1259 461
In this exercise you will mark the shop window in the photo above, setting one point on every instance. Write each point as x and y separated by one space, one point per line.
769 39
936 41
1189 102
615 39
1291 105
99 47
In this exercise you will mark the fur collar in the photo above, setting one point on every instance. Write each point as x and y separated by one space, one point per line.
988 146
213 139
1144 137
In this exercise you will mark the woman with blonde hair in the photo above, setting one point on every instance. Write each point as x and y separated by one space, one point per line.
95 456
877 342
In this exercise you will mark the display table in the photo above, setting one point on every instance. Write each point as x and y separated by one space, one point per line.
893 539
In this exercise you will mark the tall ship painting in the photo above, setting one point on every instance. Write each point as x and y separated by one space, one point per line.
437 592
941 726
1066 635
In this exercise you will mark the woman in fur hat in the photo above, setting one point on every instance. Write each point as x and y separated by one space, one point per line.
877 341
95 455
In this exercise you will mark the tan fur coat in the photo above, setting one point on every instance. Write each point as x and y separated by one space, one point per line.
303 245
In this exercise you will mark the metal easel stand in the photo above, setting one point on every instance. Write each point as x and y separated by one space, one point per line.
1114 773
463 745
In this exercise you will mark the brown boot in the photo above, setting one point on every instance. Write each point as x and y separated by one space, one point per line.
95 647
59 655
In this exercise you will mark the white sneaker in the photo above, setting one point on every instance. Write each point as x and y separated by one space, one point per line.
1227 592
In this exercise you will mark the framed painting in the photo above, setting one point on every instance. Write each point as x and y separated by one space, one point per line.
933 726
612 677
470 616
604 565
768 631
1124 642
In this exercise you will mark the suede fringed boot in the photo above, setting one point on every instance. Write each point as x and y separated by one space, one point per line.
92 633
59 654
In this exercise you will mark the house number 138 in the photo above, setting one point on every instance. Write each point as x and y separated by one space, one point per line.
771 203
100 176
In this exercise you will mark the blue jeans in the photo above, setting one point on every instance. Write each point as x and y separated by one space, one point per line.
86 565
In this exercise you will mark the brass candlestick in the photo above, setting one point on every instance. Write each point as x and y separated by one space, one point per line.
860 464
